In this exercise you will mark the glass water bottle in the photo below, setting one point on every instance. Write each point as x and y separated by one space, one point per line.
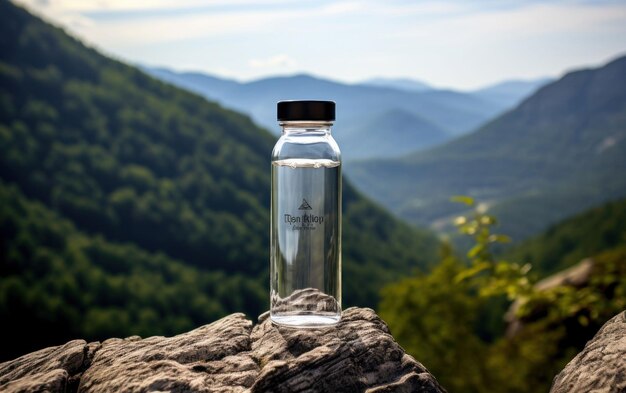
305 261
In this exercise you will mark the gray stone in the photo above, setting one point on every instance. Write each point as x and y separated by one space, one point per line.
50 369
357 355
212 358
229 355
601 366
50 381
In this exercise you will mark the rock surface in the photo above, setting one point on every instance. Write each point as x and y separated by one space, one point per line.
601 366
54 369
230 355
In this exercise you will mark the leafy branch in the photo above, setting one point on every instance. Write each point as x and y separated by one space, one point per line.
490 276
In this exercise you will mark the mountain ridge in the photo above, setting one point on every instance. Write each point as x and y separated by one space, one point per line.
398 83
453 112
301 86
558 152
395 132
510 91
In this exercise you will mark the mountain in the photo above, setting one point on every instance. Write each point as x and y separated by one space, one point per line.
568 242
559 152
147 201
511 92
452 112
200 83
397 83
393 133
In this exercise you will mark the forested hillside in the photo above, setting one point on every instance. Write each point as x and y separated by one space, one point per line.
112 156
568 242
59 283
561 151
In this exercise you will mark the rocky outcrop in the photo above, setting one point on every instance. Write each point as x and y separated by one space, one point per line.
601 366
230 355
54 369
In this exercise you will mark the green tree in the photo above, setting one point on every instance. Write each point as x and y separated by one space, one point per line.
434 317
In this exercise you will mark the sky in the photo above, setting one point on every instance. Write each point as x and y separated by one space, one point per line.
457 44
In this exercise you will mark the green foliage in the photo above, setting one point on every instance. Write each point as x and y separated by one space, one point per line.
441 317
128 157
58 284
578 237
557 323
433 317
490 276
603 296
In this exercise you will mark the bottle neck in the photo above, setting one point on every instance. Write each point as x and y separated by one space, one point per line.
306 127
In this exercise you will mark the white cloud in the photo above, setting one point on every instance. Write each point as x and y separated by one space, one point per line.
531 20
278 61
125 33
451 42
138 5
342 7
155 30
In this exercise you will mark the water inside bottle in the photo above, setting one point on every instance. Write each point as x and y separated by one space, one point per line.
306 255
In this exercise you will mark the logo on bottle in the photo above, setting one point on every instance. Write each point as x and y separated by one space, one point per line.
305 205
303 221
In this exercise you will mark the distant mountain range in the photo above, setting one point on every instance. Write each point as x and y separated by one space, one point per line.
560 151
426 116
390 134
510 93
507 93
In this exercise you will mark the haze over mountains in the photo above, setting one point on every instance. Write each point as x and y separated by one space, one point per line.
405 120
510 93
398 83
560 151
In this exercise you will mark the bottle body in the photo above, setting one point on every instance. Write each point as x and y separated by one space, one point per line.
305 260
